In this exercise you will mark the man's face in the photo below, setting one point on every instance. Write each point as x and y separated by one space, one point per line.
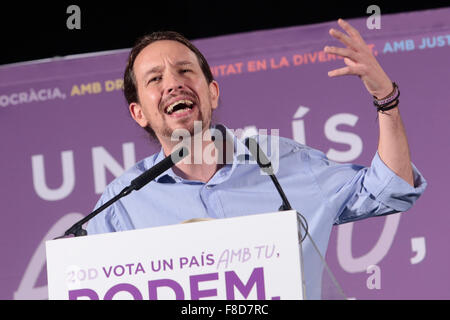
172 89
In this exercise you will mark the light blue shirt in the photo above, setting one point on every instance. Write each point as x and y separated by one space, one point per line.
323 191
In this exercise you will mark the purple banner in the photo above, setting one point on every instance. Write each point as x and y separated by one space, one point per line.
66 133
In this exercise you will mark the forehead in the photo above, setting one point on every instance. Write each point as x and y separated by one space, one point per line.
162 52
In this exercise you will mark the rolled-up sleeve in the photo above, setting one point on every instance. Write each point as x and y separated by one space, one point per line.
356 192
379 191
390 189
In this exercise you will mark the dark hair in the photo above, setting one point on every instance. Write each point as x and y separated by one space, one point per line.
129 79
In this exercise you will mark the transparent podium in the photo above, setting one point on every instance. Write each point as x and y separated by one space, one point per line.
249 257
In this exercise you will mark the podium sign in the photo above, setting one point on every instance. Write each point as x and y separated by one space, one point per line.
250 257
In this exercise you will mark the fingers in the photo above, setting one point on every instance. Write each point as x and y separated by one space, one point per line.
340 72
350 62
355 54
352 39
343 52
351 31
352 68
343 38
349 59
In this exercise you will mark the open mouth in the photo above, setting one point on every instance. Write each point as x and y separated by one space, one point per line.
179 107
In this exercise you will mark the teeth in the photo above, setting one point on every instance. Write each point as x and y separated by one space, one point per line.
186 102
179 111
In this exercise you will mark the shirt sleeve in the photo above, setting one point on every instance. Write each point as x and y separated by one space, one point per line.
356 192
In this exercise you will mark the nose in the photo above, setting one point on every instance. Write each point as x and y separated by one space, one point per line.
174 88
173 84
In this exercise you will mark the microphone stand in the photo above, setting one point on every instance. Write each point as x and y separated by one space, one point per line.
150 174
266 166
77 229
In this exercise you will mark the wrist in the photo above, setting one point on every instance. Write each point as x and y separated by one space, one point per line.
384 93
389 100
390 109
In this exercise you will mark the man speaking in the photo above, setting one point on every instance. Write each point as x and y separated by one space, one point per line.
172 94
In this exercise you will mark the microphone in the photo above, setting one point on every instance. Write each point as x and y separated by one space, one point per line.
266 166
136 184
159 168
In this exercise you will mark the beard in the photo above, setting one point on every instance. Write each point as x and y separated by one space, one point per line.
187 125
165 131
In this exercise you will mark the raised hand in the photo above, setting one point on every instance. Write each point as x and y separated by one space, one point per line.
359 61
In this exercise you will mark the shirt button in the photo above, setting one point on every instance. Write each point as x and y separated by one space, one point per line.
209 186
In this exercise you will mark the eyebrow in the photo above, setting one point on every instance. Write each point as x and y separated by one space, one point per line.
157 69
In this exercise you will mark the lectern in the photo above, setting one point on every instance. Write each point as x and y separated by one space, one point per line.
249 257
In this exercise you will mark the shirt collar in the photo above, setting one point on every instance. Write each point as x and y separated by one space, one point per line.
240 156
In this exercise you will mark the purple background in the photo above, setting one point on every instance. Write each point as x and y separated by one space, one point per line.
266 99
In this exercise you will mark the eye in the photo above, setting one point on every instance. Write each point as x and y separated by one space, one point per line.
185 70
154 79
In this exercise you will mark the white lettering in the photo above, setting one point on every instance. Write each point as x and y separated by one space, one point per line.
418 246
33 96
375 255
39 181
17 98
14 99
374 21
353 140
103 160
374 281
298 125
4 101
42 94
27 289
73 21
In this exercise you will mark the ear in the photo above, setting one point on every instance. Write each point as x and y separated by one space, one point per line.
137 114
214 93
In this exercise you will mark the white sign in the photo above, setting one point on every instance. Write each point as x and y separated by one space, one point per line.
250 257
